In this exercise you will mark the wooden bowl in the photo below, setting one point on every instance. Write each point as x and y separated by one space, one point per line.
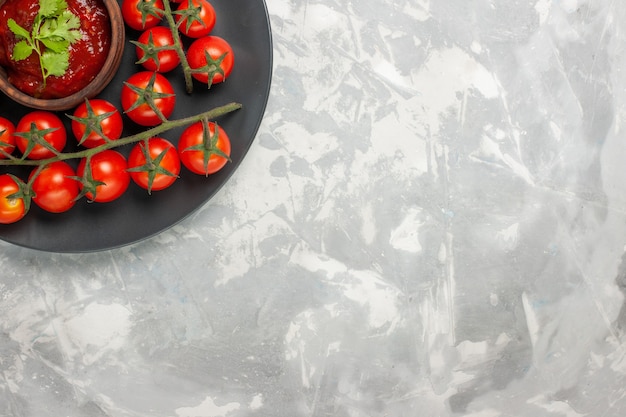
92 89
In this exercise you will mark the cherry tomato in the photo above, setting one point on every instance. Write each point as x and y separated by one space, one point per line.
144 89
221 59
7 129
111 124
195 26
162 39
35 123
156 167
55 188
108 167
142 14
202 150
11 209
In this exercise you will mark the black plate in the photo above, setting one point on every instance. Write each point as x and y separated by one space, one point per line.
136 215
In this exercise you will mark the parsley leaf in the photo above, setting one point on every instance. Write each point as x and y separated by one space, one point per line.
51 8
54 29
22 50
55 63
17 29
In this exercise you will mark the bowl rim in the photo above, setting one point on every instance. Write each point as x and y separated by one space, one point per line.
100 81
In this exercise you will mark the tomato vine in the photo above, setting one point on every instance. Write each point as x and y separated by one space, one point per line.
214 113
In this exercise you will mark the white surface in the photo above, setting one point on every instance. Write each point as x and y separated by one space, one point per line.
430 222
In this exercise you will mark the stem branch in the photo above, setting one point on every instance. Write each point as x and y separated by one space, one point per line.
178 46
146 134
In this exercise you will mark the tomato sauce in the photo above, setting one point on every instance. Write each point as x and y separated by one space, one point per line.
87 55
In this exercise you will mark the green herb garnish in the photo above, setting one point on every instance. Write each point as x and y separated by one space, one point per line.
54 29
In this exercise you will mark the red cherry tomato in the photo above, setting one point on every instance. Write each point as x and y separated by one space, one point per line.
7 129
136 104
195 26
156 43
110 126
203 152
55 189
109 167
40 120
11 209
222 59
142 14
154 167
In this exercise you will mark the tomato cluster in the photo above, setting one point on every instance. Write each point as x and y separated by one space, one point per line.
203 148
209 57
147 99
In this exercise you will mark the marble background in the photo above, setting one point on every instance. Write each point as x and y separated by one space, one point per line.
431 222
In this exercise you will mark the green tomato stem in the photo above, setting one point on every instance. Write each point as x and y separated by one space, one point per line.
178 46
146 134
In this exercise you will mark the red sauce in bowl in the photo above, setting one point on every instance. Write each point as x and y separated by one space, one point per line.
87 56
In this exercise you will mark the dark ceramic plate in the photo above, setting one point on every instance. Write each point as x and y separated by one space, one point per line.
91 227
